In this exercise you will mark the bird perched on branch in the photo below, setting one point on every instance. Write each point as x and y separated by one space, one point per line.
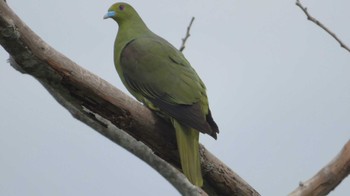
159 76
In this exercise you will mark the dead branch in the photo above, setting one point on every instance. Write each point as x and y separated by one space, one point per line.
318 23
96 103
182 47
328 177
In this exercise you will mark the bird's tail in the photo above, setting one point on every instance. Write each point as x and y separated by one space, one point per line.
188 145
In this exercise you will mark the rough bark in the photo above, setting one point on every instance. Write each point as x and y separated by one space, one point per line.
90 99
328 177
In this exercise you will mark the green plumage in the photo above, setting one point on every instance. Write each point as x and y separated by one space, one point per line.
187 141
158 75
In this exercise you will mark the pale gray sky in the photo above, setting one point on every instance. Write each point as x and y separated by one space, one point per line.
278 87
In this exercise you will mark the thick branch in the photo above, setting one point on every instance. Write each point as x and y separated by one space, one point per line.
328 177
93 99
318 23
105 127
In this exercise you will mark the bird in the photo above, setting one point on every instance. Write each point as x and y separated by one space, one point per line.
158 75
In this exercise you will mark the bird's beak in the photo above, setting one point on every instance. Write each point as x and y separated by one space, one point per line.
110 14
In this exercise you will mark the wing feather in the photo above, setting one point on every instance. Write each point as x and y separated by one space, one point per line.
160 73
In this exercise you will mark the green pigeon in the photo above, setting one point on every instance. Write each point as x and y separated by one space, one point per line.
159 76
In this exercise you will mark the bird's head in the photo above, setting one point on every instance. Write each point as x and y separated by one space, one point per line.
121 12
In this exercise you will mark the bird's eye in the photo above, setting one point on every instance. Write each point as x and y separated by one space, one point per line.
121 7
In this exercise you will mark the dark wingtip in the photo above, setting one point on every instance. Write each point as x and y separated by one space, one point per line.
214 127
214 135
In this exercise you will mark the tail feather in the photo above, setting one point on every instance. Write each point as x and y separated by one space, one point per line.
188 145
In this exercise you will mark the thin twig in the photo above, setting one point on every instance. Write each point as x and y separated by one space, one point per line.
187 35
318 23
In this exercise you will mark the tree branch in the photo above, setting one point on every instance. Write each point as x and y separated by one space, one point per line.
318 23
182 47
98 104
139 149
328 177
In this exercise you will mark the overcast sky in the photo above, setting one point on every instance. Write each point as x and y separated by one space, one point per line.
278 86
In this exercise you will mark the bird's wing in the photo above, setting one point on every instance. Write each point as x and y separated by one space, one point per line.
160 73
